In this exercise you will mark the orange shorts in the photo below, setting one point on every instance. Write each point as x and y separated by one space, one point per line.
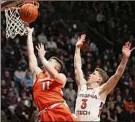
58 113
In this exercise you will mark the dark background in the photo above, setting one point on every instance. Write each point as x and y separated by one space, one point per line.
108 26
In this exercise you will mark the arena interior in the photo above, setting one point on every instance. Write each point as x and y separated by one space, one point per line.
108 25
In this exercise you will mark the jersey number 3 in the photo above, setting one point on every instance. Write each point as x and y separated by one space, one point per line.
84 103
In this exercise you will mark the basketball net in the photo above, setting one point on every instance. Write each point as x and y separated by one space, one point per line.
14 25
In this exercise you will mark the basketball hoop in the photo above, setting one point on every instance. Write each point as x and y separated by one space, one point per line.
14 25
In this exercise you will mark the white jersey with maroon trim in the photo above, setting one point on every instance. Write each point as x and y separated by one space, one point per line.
88 104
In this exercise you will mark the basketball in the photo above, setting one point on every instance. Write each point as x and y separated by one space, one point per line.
28 13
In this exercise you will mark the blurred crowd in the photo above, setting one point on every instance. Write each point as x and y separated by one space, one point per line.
57 27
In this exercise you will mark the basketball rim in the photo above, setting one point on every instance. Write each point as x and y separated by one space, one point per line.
5 4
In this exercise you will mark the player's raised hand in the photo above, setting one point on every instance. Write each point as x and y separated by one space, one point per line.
30 30
41 50
81 40
126 50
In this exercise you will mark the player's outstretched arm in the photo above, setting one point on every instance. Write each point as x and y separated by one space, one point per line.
78 63
61 78
32 58
111 83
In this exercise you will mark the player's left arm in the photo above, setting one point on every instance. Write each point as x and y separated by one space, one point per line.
111 83
61 78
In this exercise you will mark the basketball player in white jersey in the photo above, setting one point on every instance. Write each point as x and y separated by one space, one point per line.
93 92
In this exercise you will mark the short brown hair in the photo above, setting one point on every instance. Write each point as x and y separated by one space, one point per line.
103 74
59 61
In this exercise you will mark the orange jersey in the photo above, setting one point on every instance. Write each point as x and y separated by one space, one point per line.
46 91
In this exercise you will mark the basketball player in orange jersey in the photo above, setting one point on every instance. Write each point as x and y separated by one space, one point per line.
93 92
47 85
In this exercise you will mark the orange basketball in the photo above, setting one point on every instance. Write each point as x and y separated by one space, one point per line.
28 13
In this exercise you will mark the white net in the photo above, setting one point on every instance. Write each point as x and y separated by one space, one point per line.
14 25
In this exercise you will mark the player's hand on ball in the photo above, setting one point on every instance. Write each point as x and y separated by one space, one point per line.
41 50
126 50
30 30
81 40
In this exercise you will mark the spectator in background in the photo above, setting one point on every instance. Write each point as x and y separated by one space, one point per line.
100 17
88 69
3 117
25 94
25 106
9 56
112 14
98 63
27 80
122 115
129 105
14 87
118 92
126 94
11 100
69 78
93 47
133 94
42 38
19 74
68 47
51 44
4 89
119 101
132 114
111 97
34 117
23 63
74 39
104 115
111 113
60 42
70 96
22 111
7 76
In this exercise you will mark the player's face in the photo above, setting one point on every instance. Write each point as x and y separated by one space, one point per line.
55 64
94 78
